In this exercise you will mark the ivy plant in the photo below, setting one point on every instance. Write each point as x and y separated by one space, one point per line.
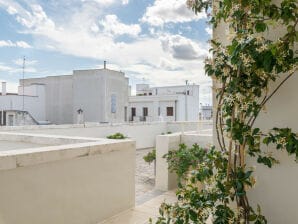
244 68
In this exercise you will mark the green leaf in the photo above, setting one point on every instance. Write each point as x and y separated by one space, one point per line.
260 26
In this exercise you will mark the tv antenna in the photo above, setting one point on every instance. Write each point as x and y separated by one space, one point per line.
24 64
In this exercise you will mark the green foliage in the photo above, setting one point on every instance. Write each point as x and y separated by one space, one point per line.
116 136
150 157
283 138
244 68
197 166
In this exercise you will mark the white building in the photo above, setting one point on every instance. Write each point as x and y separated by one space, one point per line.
14 106
206 112
97 95
172 103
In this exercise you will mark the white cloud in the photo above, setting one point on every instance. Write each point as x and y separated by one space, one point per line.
125 2
168 64
111 25
101 2
183 48
36 20
19 62
94 28
166 11
11 87
4 68
209 30
9 43
11 10
80 34
17 69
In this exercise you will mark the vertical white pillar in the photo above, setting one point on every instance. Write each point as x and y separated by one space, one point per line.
3 88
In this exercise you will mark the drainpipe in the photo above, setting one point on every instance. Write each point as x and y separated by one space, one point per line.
186 117
175 110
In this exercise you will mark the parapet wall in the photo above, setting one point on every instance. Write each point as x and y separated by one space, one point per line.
143 133
166 180
73 183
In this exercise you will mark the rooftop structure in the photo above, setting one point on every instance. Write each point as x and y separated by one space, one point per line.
169 103
97 95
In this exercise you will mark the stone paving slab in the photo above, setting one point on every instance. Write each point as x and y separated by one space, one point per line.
144 177
141 214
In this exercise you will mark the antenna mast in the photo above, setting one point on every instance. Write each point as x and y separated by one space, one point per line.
24 62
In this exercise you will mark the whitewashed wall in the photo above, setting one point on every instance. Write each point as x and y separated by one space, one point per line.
34 103
166 180
75 184
143 133
276 188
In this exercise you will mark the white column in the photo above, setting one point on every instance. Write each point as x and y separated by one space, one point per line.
3 88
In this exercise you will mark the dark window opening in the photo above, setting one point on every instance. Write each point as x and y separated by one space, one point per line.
133 111
145 111
170 111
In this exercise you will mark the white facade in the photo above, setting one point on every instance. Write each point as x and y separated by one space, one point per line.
33 101
172 103
206 112
101 94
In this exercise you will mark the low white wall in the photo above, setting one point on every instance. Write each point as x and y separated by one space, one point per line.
43 138
75 184
165 180
185 126
204 140
143 133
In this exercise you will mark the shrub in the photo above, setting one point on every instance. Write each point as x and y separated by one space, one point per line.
116 136
150 157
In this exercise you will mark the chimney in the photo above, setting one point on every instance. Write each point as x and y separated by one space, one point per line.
104 64
3 88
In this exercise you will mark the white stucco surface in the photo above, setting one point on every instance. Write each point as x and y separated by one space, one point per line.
143 133
13 145
34 102
276 188
166 180
74 183
89 90
183 99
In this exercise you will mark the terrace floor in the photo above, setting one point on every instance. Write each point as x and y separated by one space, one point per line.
13 145
141 213
144 177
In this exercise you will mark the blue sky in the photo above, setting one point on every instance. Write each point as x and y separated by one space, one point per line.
160 42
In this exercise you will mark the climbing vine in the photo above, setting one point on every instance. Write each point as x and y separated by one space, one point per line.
243 67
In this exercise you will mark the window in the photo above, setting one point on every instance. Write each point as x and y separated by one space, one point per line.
150 94
187 92
170 111
145 111
113 103
133 111
10 120
159 113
